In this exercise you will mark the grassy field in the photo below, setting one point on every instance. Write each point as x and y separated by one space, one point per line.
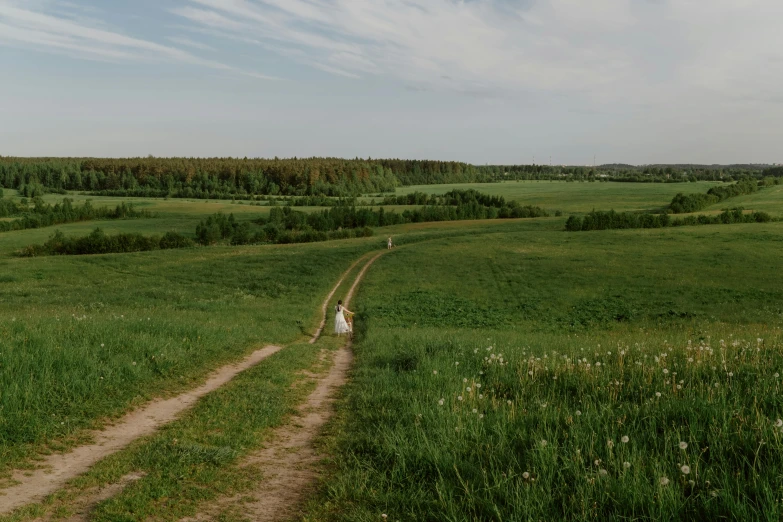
93 335
768 199
499 375
500 364
177 215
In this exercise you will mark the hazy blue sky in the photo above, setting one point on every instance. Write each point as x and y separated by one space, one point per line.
497 81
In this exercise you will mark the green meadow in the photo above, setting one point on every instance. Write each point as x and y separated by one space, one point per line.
505 369
530 374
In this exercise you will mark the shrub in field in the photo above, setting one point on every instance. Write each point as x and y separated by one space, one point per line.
684 204
41 214
98 242
601 220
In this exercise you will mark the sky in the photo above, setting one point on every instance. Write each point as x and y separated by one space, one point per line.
481 81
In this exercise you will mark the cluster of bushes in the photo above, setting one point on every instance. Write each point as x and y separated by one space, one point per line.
98 242
454 206
455 197
601 220
41 214
683 204
220 227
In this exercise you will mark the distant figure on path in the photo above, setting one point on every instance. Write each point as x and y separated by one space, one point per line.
389 244
341 325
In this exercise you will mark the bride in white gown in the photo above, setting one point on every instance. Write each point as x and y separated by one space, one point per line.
341 326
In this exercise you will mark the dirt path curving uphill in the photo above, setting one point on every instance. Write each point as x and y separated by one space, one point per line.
288 462
56 470
325 304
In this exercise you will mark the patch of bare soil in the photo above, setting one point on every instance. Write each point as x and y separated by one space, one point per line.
287 464
86 503
58 469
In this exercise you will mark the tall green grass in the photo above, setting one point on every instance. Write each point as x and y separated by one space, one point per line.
504 389
85 338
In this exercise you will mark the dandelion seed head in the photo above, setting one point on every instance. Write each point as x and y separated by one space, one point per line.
440 402
664 481
603 472
683 445
686 470
525 475
626 465
625 439
578 413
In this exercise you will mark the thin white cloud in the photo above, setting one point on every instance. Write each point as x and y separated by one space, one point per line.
23 26
190 43
607 48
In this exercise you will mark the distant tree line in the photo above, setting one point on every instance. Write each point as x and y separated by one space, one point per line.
602 220
684 204
41 214
631 173
98 242
228 177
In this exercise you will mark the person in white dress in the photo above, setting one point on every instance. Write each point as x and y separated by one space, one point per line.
389 244
341 326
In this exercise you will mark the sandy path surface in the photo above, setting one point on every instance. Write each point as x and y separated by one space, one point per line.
288 463
56 470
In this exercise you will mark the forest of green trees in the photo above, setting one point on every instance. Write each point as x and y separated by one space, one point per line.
248 178
226 177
